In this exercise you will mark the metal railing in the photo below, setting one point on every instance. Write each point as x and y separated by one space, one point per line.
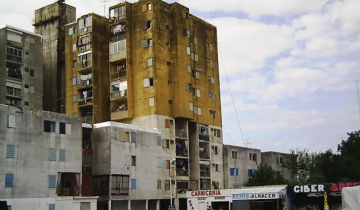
16 92
84 64
204 137
118 94
205 173
85 82
180 133
10 57
67 191
117 74
204 155
85 29
85 101
182 172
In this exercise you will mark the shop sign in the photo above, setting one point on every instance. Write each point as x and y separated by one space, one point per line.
337 187
205 192
309 188
254 196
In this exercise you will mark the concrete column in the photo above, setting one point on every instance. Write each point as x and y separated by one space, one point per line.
109 206
146 204
158 205
176 203
129 205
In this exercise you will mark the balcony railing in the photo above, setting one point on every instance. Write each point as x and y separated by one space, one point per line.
183 152
117 74
85 101
16 93
85 82
204 155
204 137
182 172
67 191
180 133
84 64
16 74
14 58
205 173
85 29
118 94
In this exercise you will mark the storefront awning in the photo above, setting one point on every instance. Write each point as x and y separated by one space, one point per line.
263 192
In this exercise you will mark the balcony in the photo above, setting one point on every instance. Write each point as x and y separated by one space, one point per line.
83 83
13 58
119 114
69 184
204 155
118 73
14 73
87 119
204 137
205 184
181 149
85 29
182 167
204 171
182 172
85 101
118 94
180 133
13 92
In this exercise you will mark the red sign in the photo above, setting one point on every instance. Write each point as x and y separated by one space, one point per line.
205 192
337 187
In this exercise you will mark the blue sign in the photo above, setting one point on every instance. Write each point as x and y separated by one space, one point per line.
254 196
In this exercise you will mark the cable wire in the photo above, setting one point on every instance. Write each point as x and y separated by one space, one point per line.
232 98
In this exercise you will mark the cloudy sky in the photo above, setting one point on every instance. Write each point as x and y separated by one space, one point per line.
292 66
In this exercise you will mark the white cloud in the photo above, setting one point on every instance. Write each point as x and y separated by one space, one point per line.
256 8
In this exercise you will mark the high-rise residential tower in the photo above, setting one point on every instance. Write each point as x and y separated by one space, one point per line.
50 22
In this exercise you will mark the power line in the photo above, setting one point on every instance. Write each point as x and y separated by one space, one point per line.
232 98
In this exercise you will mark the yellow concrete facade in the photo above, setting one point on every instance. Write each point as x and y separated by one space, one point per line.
171 64
87 68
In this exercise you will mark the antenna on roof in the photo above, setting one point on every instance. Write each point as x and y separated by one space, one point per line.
104 4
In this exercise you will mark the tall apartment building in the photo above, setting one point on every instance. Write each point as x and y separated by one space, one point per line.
164 74
21 70
41 160
50 22
87 68
240 163
161 72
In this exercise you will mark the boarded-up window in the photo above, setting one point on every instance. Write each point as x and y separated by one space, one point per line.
62 155
150 61
11 121
133 137
159 162
52 154
10 151
127 160
124 136
158 140
191 106
167 123
151 101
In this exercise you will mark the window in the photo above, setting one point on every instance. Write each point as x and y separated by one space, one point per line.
32 89
133 160
72 31
124 136
32 72
215 150
211 63
148 82
168 123
167 184
133 183
199 111
146 7
74 47
280 160
217 132
12 36
52 181
85 22
168 45
74 64
52 154
189 69
234 154
127 160
168 63
186 32
146 43
51 206
10 151
150 61
118 12
192 56
26 69
188 50
251 172
117 47
159 184
133 137
73 80
62 128
74 98
149 7
184 185
26 103
151 101
166 143
213 97
159 162
158 141
119 185
236 172
196 57
62 155
167 162
9 207
147 24
167 27
11 121
196 92
188 87
9 180
32 56
170 102
49 126
216 167
232 171
191 106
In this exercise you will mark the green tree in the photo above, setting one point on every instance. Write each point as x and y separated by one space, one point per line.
265 175
350 157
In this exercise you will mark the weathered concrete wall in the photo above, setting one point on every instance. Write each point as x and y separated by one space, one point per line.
274 159
30 66
31 166
242 162
49 21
